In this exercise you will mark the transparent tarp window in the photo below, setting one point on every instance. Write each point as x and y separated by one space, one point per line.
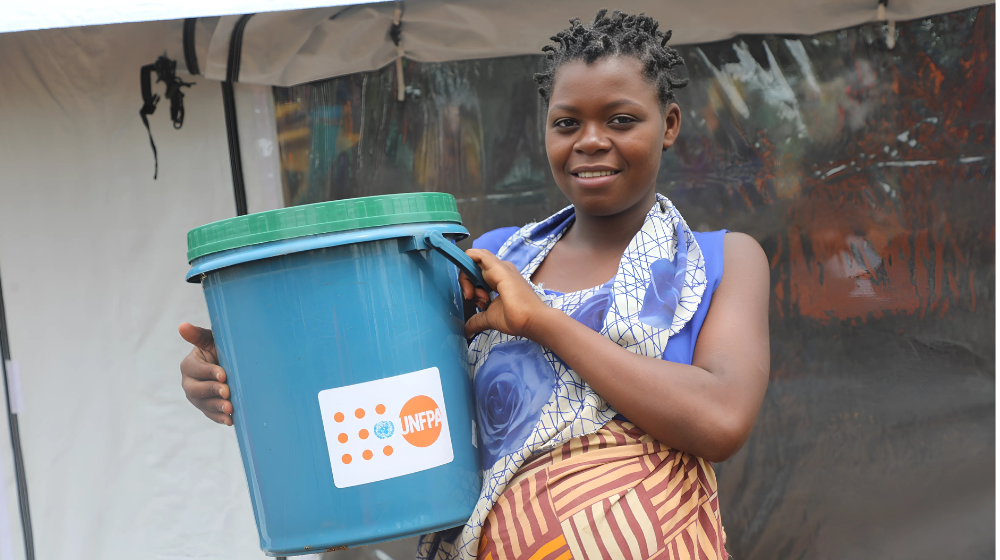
868 176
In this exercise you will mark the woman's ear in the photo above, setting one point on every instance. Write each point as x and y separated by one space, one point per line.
672 125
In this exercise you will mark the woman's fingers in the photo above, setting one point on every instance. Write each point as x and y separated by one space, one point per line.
478 296
203 381
195 390
481 298
202 338
211 398
195 366
483 258
494 269
219 417
215 405
476 324
468 289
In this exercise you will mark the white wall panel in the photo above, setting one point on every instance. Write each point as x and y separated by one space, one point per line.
92 256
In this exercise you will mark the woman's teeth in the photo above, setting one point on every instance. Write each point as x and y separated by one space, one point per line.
589 174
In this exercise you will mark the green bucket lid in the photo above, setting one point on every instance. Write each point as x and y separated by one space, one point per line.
322 217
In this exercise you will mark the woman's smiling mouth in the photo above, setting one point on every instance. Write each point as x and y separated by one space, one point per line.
594 178
590 174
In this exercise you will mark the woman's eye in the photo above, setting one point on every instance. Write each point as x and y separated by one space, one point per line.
622 119
564 123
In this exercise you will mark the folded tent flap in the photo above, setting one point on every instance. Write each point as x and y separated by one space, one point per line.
285 48
298 46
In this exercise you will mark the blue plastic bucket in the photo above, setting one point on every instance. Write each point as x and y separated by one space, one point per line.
346 360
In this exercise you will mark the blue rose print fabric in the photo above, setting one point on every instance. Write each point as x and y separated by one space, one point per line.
593 309
663 294
511 387
528 401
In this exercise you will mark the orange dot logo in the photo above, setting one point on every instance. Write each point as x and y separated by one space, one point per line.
387 450
380 409
342 438
363 434
421 421
359 413
346 459
339 417
367 454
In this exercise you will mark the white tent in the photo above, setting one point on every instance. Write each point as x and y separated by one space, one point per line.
118 464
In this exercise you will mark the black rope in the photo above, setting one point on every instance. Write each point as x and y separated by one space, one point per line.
15 440
229 107
166 71
190 55
395 32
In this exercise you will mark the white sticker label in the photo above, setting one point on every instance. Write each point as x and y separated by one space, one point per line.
386 428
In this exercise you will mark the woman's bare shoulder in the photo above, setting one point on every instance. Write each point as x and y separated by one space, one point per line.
745 260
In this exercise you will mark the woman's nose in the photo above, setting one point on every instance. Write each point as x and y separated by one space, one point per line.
592 140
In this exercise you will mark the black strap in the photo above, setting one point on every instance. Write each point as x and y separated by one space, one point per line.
149 101
395 32
229 107
236 49
15 441
190 55
166 71
233 135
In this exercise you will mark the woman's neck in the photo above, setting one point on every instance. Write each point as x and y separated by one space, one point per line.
589 252
610 233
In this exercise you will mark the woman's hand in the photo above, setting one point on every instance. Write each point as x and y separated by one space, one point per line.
204 382
514 310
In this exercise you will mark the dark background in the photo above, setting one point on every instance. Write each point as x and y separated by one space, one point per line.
867 175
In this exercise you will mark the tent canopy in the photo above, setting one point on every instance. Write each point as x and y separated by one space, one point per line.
294 47
291 42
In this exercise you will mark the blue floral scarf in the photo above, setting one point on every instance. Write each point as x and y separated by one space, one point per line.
528 400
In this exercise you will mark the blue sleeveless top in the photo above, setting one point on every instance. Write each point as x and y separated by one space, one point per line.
680 347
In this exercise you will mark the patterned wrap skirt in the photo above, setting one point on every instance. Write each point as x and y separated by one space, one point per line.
615 494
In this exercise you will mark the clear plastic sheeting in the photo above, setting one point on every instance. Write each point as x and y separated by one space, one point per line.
258 147
867 174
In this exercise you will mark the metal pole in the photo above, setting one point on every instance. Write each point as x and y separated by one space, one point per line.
15 440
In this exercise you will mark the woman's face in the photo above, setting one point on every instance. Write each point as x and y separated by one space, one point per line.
605 134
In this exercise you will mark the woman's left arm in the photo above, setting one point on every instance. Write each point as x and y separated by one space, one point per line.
706 409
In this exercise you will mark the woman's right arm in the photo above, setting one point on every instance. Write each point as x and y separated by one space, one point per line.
204 382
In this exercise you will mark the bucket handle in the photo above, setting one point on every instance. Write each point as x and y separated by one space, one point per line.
458 258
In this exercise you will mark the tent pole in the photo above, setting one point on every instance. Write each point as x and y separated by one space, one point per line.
15 441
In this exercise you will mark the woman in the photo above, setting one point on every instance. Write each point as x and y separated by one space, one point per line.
622 353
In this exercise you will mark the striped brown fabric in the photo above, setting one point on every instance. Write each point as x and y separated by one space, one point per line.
615 494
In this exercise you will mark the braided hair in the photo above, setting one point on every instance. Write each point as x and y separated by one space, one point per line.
619 34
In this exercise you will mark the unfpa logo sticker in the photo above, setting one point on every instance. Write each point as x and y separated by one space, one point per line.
421 420
386 428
